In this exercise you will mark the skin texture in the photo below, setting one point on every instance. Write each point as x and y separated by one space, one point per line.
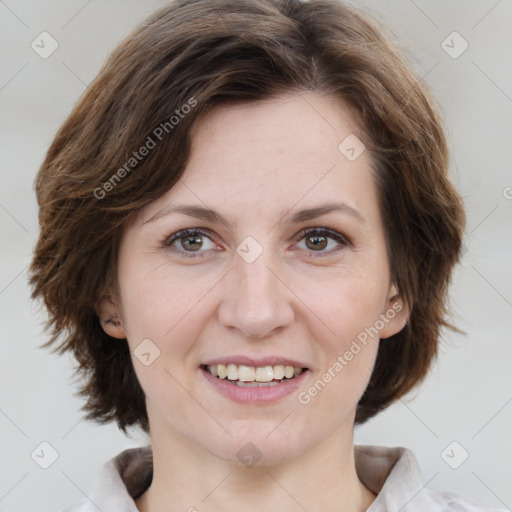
256 164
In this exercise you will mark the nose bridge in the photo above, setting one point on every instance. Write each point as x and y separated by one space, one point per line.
255 279
256 303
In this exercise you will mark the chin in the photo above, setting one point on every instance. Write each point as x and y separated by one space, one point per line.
251 447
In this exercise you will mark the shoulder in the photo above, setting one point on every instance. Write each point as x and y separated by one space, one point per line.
122 479
393 474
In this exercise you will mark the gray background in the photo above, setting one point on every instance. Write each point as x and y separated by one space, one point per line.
468 396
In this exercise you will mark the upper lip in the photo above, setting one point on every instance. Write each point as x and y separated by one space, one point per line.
257 362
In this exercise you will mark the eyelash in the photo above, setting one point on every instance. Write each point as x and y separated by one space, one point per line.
325 232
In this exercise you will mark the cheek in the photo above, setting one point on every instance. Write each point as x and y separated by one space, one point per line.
167 308
348 302
158 301
349 306
348 355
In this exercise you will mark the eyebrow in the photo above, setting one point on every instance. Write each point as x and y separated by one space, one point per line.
212 216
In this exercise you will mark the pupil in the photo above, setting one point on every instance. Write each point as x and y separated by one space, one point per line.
319 242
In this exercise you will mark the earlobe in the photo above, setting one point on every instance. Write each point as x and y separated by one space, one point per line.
109 318
395 315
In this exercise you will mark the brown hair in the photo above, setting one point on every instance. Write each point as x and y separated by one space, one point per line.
185 59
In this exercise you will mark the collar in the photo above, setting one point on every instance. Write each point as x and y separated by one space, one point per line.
392 474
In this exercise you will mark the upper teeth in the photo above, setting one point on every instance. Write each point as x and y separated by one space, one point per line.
251 373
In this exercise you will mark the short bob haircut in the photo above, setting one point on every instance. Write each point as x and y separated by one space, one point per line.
128 139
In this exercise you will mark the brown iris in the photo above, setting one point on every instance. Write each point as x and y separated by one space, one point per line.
317 242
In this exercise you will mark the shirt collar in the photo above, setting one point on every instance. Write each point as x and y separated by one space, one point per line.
391 473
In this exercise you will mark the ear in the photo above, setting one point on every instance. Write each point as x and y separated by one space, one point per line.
395 314
110 318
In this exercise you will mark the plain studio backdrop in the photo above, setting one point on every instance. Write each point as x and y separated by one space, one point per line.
458 423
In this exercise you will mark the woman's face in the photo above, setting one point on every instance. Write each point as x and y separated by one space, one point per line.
285 265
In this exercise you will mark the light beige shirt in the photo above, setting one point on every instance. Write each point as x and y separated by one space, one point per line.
391 473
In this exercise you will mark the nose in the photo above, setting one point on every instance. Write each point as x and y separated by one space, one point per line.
256 302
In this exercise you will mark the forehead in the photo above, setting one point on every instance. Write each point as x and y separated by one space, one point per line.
285 128
270 155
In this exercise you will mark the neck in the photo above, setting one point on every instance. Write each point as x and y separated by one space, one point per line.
186 477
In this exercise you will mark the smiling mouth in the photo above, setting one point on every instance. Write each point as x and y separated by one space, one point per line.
254 376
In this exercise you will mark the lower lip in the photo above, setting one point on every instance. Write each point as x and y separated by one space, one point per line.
264 394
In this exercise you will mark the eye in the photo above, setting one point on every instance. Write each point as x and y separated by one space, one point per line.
196 242
190 241
320 240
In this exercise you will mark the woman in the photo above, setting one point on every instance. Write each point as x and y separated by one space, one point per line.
247 235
